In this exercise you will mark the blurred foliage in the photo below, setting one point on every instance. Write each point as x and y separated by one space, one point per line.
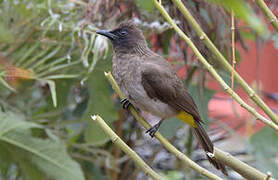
51 81
47 155
243 11
264 146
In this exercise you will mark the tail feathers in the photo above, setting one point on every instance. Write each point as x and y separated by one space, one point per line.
207 146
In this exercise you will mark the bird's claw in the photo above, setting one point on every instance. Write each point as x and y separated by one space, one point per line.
125 103
153 130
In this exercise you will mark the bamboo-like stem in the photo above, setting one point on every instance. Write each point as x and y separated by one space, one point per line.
124 147
267 12
233 61
233 47
243 169
221 59
212 70
227 159
187 161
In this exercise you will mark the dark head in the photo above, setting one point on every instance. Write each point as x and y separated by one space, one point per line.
126 37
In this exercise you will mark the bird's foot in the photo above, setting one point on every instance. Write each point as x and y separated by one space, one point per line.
153 129
125 103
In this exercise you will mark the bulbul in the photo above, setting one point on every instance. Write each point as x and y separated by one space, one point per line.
149 83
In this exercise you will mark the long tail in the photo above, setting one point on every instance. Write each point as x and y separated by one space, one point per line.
207 146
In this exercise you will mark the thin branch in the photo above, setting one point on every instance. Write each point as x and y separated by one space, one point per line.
225 158
233 61
221 59
267 12
135 173
233 47
212 70
120 143
117 151
163 141
243 169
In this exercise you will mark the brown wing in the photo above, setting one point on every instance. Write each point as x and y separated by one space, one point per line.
161 82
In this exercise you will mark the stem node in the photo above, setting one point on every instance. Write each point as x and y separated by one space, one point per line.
202 37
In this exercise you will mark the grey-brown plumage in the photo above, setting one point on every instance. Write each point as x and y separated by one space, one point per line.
150 83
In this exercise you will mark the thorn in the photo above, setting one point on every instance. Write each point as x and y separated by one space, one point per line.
94 117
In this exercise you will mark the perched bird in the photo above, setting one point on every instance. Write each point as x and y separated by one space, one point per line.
150 84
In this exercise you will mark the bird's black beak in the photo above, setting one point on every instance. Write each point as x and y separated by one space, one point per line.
106 33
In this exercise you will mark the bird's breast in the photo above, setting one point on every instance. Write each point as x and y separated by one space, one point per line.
129 78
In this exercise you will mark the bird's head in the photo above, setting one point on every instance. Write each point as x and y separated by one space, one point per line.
125 37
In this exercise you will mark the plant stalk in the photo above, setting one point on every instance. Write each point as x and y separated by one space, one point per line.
243 169
212 70
124 147
187 161
221 59
268 13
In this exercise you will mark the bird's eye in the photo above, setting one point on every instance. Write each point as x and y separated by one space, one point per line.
123 32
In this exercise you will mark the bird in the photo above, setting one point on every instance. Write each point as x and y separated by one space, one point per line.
150 84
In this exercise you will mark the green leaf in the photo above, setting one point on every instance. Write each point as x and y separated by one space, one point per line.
145 5
4 83
264 145
62 76
31 172
6 162
248 35
63 87
5 34
100 102
170 126
227 78
10 122
275 40
167 35
52 91
48 156
95 171
201 102
245 12
174 175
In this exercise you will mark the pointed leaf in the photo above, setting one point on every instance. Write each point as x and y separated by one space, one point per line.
101 103
52 91
48 156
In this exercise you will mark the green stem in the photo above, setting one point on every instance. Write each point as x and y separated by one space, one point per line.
44 59
221 59
163 141
51 64
27 54
35 58
267 12
212 70
124 147
56 68
245 170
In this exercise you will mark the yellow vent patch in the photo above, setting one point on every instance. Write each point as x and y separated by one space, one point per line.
187 118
